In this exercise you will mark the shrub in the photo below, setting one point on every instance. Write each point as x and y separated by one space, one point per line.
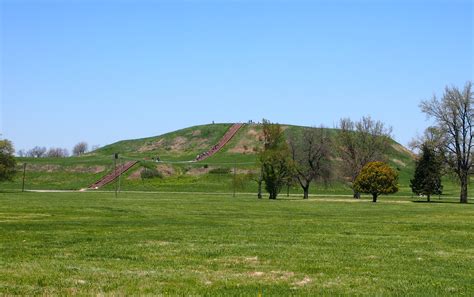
148 173
186 169
219 170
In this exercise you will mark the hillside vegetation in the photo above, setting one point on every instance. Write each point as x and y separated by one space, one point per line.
209 175
185 144
179 145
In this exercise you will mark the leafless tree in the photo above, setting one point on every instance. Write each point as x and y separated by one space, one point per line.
37 152
311 154
56 152
80 148
359 143
454 116
432 137
21 153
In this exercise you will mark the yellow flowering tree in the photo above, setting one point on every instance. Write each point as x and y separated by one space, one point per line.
377 178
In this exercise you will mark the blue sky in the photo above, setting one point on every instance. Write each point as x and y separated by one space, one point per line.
103 71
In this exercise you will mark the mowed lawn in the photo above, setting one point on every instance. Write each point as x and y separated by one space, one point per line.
191 244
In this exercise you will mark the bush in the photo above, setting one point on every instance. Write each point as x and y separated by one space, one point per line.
219 170
148 173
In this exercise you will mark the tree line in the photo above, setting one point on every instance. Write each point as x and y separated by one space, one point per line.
55 152
309 155
361 148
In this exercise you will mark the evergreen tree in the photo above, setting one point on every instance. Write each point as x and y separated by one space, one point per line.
427 178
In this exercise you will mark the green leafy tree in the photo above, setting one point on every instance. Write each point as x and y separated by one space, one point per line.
377 178
275 160
7 160
428 171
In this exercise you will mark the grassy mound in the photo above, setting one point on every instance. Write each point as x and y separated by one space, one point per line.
182 145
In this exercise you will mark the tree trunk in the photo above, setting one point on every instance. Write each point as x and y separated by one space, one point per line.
259 194
273 195
464 184
428 198
306 192
374 197
288 190
356 195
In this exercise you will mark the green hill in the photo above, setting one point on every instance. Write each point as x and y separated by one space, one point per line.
179 145
174 149
185 144
210 174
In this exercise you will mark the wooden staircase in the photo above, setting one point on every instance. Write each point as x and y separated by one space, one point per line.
222 142
112 175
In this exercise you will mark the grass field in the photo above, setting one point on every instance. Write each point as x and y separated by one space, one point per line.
194 244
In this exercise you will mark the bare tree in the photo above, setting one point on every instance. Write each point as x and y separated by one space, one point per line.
37 152
57 152
432 137
311 153
434 140
359 143
21 153
80 148
453 115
